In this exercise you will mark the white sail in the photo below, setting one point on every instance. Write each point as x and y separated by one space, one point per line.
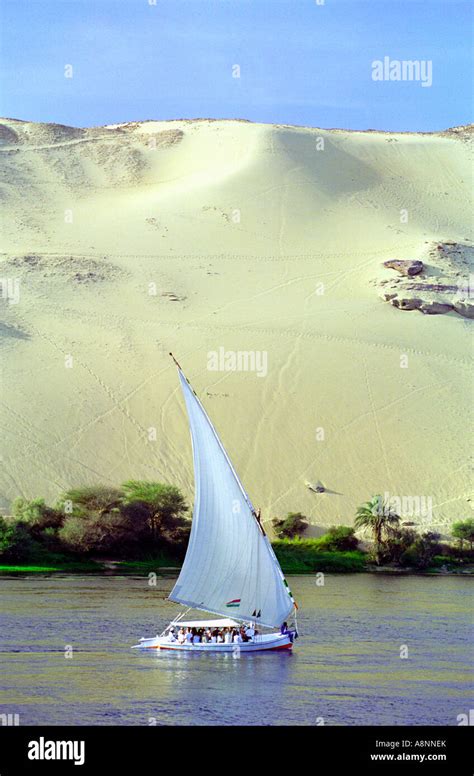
230 567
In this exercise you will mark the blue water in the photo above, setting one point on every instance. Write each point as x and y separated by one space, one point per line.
346 668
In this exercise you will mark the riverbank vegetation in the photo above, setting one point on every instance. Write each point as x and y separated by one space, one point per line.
145 526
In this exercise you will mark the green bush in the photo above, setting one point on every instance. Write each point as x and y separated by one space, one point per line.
138 518
464 532
162 508
41 522
97 534
16 543
293 525
421 551
339 537
89 499
398 541
305 555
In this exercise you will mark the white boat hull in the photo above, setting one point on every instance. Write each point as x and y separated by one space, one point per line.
271 641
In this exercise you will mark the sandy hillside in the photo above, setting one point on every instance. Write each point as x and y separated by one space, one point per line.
128 241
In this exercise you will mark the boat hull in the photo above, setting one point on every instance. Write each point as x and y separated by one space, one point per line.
269 643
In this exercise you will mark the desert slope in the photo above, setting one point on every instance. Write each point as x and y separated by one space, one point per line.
131 240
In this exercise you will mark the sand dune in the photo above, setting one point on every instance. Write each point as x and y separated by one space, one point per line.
131 240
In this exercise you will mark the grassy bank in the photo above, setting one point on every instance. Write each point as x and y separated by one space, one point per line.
43 567
143 527
305 556
296 556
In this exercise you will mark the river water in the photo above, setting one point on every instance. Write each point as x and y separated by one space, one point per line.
346 668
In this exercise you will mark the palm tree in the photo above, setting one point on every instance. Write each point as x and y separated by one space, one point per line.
376 516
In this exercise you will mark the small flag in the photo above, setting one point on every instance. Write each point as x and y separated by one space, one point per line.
235 602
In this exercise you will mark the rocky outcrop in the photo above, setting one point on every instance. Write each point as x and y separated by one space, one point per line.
445 288
407 267
435 308
430 306
464 307
406 303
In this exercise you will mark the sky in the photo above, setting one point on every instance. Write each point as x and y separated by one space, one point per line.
304 62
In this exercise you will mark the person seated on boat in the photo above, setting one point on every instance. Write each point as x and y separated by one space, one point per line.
220 637
189 635
181 636
228 635
243 634
250 631
171 635
238 637
285 631
213 636
196 636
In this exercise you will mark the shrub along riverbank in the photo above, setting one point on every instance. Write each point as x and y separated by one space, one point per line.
143 527
298 556
295 557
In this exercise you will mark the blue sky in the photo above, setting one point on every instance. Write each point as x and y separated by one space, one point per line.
300 62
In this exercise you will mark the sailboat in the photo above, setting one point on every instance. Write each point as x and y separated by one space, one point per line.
230 569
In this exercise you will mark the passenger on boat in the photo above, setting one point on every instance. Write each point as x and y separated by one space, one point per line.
181 636
285 631
220 637
250 631
171 635
196 636
228 636
242 634
189 635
